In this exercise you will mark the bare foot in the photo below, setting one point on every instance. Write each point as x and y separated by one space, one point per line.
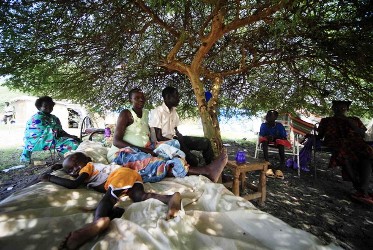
78 237
174 206
215 168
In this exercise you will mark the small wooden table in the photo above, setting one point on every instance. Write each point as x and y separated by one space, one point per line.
239 173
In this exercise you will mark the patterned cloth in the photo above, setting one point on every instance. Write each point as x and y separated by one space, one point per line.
42 133
277 142
349 145
169 149
151 169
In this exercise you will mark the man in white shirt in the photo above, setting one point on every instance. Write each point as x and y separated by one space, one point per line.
8 113
164 119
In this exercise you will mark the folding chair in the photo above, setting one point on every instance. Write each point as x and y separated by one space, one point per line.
89 132
299 128
87 129
294 151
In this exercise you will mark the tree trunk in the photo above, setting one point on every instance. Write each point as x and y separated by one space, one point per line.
208 112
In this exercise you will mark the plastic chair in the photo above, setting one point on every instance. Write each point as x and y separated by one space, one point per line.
295 127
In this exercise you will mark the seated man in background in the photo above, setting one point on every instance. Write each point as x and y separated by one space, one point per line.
8 113
164 119
274 133
345 135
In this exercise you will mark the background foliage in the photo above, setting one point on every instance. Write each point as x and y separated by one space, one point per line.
295 55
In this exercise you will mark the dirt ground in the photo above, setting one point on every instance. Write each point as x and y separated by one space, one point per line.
321 205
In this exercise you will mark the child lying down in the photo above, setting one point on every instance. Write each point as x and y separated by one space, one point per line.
114 181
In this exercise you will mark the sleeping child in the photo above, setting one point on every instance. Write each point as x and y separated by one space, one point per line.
114 181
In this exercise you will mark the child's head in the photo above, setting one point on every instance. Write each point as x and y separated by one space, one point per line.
272 115
74 163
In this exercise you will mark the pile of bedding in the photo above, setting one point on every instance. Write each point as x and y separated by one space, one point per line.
40 217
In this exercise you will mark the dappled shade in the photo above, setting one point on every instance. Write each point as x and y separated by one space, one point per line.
41 215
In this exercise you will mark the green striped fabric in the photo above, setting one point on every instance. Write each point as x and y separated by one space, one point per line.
299 126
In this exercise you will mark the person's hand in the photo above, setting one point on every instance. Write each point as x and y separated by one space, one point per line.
75 138
178 134
56 166
270 138
149 151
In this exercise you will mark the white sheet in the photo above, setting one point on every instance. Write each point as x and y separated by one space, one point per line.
40 216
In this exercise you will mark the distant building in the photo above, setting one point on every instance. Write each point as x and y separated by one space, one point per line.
69 114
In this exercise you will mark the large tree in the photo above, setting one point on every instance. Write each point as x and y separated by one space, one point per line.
254 55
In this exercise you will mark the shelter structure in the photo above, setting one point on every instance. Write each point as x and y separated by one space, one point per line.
69 114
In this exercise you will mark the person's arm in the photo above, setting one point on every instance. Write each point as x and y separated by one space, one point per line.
282 132
178 134
321 129
357 126
158 134
180 138
124 120
262 130
72 184
63 133
56 166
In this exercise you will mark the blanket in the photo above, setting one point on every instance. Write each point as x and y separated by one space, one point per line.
151 169
40 216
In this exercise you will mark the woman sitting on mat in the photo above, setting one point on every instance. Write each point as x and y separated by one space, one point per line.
345 134
132 145
44 131
273 133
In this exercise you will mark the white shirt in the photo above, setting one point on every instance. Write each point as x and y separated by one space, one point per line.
98 173
165 119
8 110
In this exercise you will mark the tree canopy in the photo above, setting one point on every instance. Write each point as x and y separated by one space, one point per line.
254 55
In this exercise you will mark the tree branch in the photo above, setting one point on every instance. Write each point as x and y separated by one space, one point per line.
156 19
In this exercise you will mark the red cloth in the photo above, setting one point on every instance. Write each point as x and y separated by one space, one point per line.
283 142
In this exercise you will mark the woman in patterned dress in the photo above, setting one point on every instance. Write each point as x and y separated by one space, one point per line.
44 131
